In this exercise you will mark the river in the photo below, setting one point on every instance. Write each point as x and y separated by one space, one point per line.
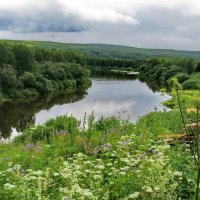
107 97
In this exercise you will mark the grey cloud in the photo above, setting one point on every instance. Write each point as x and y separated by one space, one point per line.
168 22
47 23
58 16
4 24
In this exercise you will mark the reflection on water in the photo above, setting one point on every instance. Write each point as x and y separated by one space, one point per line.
105 97
21 115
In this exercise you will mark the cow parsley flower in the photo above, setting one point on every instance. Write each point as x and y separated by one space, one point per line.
134 195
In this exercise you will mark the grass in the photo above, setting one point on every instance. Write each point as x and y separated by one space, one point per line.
111 159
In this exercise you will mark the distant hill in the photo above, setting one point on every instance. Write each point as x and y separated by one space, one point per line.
112 51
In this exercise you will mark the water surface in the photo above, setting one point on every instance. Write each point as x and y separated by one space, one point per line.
127 98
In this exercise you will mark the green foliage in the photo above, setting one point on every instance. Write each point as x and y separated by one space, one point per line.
115 162
112 51
28 80
24 58
27 71
182 77
158 123
62 125
197 69
162 70
191 85
6 55
8 78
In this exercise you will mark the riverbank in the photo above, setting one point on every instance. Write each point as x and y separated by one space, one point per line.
112 158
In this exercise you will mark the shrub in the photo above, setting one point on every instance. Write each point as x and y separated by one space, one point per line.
182 77
8 77
28 79
191 85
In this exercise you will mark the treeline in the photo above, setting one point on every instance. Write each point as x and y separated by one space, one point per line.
27 71
161 71
156 72
112 62
103 66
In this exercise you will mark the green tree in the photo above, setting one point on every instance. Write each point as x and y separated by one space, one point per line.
8 78
24 58
6 55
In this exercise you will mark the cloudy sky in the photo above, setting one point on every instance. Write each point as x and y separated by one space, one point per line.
173 24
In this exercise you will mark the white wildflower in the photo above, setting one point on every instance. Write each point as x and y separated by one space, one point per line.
177 173
156 188
100 167
134 195
149 189
38 173
56 174
9 186
97 177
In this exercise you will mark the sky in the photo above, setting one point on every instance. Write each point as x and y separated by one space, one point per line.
171 24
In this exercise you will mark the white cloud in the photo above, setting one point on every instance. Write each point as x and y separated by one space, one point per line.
105 21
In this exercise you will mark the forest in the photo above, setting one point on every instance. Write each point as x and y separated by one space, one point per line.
157 72
26 71
97 51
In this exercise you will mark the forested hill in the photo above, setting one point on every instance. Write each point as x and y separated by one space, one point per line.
113 51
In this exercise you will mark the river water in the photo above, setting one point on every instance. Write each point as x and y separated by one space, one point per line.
125 98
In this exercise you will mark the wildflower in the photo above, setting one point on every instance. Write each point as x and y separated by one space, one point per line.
87 162
156 188
177 173
153 151
87 193
38 173
190 180
9 186
149 189
100 167
66 198
97 177
125 168
123 173
134 195
56 174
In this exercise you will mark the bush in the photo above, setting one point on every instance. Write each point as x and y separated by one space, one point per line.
182 77
61 125
28 79
191 85
8 78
